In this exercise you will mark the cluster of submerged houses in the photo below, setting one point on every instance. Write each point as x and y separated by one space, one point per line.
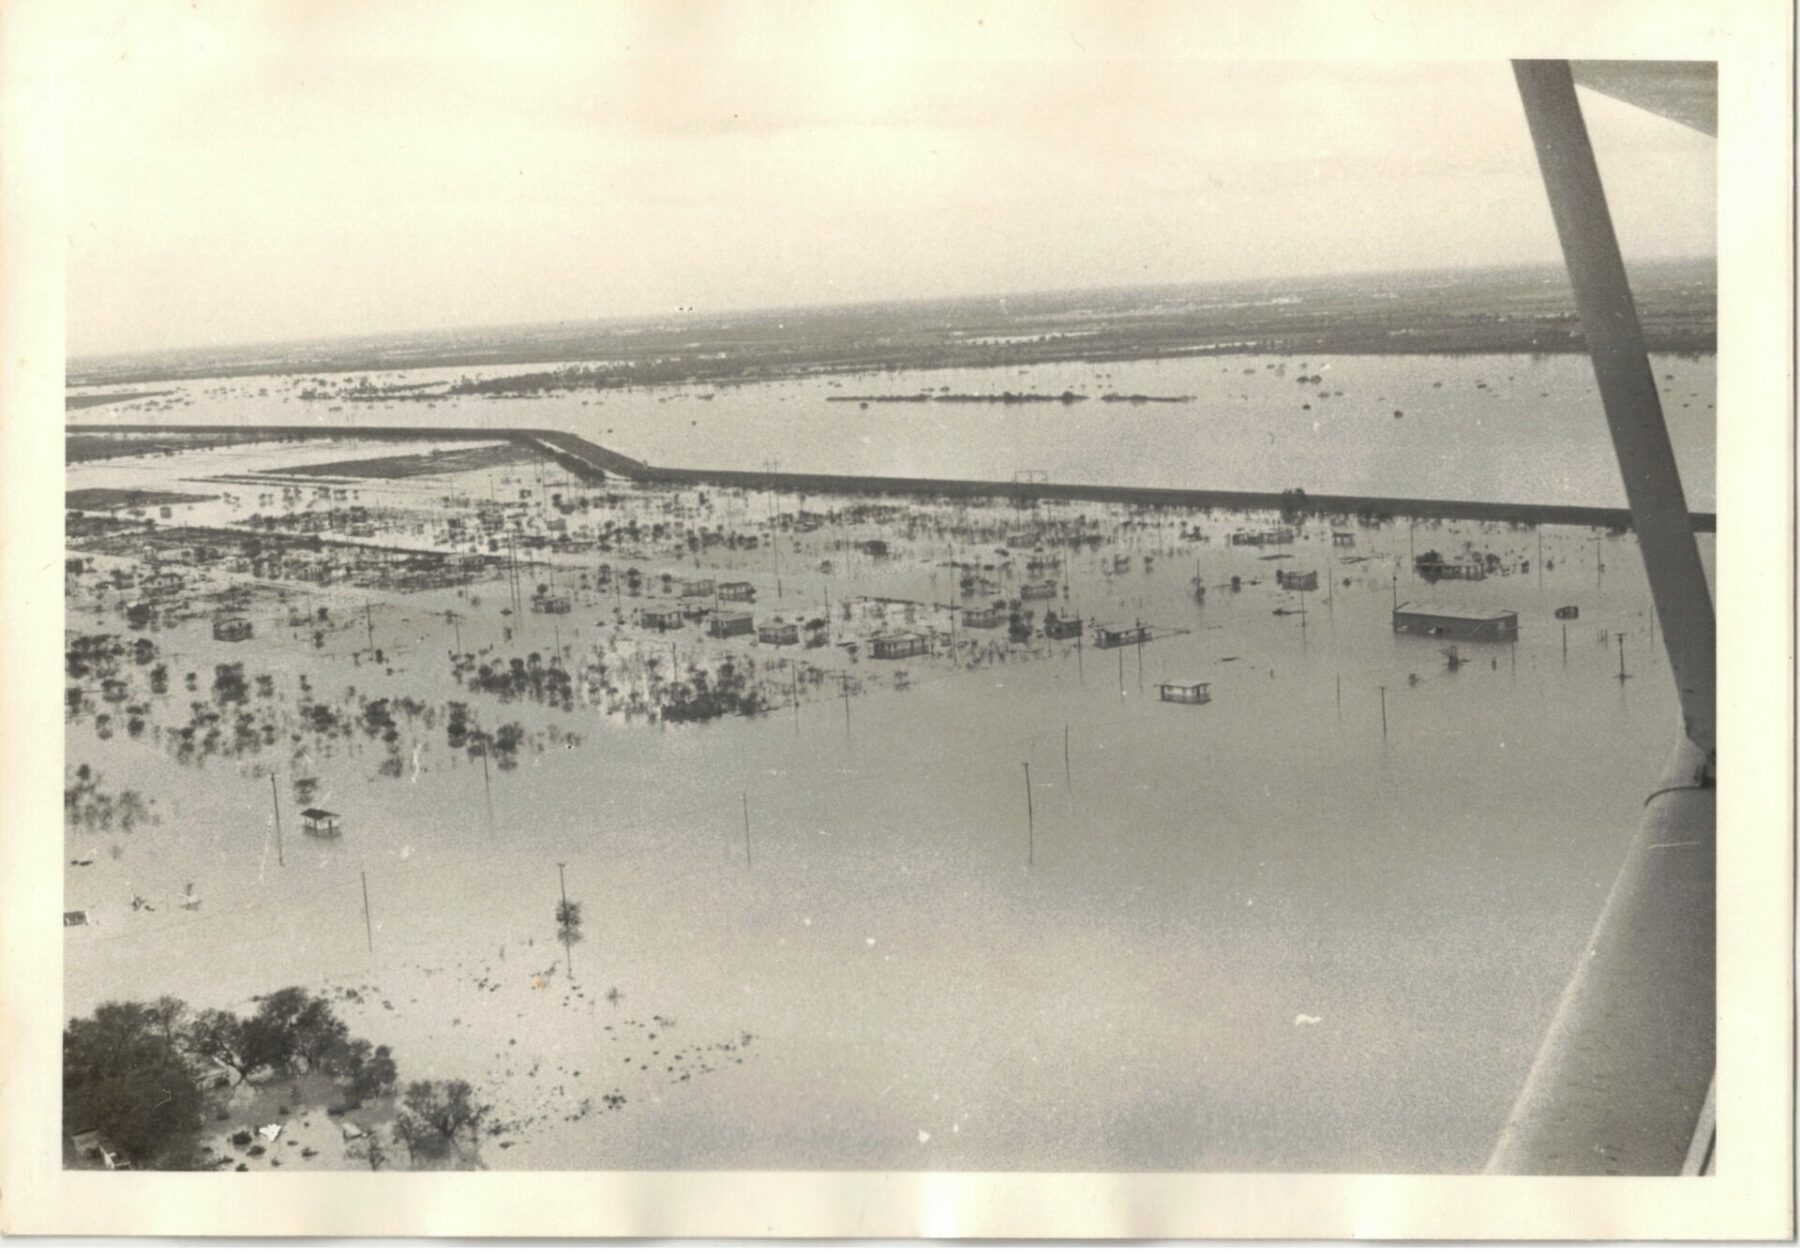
716 605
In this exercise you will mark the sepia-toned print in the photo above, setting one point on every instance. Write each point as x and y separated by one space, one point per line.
984 614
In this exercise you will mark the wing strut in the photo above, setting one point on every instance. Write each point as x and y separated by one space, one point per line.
1622 1084
1615 341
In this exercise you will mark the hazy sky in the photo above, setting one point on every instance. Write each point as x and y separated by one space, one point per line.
276 171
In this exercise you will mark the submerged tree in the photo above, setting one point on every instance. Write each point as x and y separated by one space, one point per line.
125 1076
435 1115
568 921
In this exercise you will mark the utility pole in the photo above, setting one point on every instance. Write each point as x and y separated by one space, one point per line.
368 923
369 622
1540 555
275 796
487 791
1383 713
568 954
1030 821
794 680
746 798
1622 675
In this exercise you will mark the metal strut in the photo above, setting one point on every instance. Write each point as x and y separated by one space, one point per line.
1615 341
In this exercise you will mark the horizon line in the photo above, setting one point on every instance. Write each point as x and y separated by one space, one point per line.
751 311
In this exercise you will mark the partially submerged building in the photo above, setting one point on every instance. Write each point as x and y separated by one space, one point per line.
1419 618
1450 568
1185 692
779 633
1298 581
983 616
1043 591
1258 538
737 590
659 617
723 626
1109 637
232 627
899 645
319 822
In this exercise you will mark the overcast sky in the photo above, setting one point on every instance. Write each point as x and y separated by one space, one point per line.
268 172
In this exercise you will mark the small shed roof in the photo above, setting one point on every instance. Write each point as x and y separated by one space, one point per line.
316 813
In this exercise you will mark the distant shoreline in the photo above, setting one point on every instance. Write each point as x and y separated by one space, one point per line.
1524 312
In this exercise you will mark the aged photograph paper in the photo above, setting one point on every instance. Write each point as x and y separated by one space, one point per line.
898 620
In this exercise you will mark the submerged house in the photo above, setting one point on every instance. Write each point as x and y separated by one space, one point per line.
1189 692
550 603
1298 581
984 616
1118 637
1038 591
1062 628
320 822
1265 536
899 645
232 627
737 590
779 633
659 617
722 626
1419 618
1444 568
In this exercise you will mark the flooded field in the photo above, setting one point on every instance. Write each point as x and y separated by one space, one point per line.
990 906
1480 427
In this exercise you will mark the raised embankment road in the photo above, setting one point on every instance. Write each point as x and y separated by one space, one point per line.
592 462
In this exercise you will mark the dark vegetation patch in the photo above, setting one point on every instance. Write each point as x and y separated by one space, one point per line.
94 446
109 398
126 498
411 465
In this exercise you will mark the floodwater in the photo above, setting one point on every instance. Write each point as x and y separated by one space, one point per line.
1481 427
1258 934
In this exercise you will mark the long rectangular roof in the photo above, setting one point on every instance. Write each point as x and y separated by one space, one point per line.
1442 609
